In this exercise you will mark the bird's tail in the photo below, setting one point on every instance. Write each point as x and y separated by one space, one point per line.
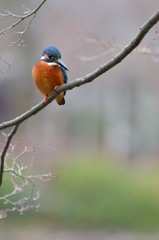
60 99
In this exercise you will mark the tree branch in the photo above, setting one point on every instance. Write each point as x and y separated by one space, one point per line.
80 81
6 146
20 18
89 77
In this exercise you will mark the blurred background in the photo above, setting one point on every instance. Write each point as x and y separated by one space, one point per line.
103 145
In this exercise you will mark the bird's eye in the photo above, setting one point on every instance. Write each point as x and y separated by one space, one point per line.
52 58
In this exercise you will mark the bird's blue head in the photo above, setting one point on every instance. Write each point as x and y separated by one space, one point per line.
52 54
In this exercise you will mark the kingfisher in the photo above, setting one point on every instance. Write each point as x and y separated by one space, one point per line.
49 73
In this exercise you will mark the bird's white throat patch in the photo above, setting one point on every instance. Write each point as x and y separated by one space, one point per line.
52 64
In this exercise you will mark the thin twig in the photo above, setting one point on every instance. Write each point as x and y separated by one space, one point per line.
19 40
10 136
22 194
21 18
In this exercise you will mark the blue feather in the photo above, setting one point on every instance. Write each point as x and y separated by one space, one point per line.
52 51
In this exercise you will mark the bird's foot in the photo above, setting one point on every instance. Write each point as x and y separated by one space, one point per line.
55 88
45 98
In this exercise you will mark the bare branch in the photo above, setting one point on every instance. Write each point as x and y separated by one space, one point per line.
106 48
6 64
19 41
10 136
89 77
21 18
22 194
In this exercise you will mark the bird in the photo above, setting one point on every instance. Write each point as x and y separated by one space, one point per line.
49 73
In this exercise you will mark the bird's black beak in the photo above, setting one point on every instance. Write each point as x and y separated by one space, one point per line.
60 62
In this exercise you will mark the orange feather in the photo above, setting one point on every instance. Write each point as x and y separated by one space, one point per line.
47 77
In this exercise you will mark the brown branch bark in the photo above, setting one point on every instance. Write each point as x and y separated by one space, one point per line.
86 79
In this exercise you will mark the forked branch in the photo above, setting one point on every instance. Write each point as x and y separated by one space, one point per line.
19 18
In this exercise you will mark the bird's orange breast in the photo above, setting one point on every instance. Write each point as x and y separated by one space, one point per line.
47 76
